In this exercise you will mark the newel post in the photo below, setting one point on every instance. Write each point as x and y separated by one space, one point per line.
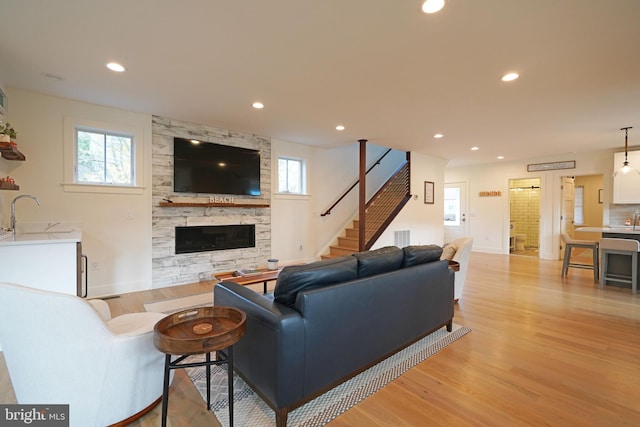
362 199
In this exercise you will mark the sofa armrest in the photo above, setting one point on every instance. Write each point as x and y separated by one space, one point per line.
270 356
462 256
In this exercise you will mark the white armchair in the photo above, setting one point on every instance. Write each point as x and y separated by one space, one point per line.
461 252
62 349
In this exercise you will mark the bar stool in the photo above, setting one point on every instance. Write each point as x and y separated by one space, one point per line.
628 247
569 244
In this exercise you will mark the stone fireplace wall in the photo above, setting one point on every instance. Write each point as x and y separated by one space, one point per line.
169 269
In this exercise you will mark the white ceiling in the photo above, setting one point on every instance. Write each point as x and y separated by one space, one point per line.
387 72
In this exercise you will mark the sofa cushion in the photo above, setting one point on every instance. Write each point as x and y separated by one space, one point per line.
379 261
448 251
296 278
414 255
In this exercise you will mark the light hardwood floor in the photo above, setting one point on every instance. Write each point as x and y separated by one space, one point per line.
542 351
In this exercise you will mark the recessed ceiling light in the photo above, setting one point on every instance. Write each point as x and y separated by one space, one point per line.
500 157
257 105
509 77
432 6
475 148
339 127
114 66
438 135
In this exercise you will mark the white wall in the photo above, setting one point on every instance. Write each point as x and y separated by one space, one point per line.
291 216
425 221
489 216
116 227
299 232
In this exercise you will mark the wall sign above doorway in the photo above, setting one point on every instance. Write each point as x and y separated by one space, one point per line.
490 194
535 167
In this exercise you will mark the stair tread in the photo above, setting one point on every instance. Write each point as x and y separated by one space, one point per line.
344 248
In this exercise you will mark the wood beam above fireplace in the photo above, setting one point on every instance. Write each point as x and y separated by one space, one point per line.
212 205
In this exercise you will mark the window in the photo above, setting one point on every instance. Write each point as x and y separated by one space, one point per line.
103 158
452 206
291 176
578 206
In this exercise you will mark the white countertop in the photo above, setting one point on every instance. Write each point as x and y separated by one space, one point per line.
38 234
611 229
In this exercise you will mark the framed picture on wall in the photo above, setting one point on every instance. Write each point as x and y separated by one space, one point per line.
428 193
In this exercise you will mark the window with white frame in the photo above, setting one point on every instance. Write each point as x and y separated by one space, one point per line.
102 157
291 175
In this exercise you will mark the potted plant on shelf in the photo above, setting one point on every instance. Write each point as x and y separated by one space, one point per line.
7 133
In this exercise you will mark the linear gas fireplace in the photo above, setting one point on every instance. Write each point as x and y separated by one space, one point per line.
214 238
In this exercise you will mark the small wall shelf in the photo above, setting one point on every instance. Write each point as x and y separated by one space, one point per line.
8 186
10 152
212 205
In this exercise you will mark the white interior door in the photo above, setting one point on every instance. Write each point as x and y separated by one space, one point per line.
455 211
568 202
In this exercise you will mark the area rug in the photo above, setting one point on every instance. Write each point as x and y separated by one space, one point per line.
250 409
173 305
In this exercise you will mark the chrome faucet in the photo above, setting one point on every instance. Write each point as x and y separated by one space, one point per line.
13 210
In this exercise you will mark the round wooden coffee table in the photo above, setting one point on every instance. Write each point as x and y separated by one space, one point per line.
199 331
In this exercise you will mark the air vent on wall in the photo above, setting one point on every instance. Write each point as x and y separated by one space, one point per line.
401 238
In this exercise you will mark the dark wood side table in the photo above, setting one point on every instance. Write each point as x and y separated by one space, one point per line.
199 331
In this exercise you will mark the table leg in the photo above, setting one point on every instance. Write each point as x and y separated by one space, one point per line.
208 370
230 381
165 389
264 290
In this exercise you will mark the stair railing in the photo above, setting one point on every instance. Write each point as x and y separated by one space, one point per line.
386 204
377 162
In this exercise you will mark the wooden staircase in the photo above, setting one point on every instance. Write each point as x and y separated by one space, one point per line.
348 244
380 211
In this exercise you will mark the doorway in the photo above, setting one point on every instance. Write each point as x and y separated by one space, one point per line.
455 211
524 216
582 206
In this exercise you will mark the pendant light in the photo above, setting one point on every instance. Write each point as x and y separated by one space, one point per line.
626 169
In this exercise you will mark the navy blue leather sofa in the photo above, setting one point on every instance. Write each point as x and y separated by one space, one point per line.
329 320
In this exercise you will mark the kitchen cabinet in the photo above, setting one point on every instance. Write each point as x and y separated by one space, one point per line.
52 262
626 188
41 260
621 264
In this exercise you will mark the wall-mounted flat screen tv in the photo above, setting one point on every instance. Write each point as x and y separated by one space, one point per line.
205 167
